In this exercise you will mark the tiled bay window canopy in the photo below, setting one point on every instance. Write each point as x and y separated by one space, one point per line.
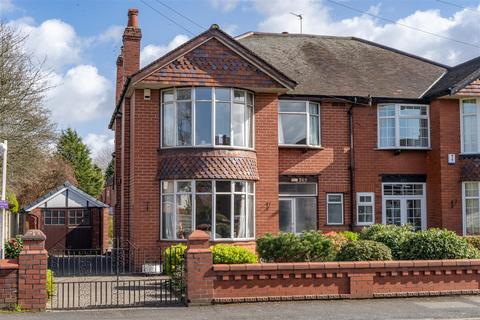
208 164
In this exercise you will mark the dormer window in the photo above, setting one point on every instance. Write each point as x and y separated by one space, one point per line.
207 117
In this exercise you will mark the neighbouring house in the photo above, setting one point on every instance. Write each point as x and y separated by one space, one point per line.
108 196
271 132
70 218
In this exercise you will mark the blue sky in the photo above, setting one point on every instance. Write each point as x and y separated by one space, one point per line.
80 39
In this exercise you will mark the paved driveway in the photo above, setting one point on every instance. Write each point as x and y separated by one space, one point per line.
459 307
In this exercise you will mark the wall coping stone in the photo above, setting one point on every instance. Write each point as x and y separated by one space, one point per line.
6 264
34 235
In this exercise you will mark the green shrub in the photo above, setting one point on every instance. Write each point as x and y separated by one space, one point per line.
435 244
50 284
338 239
13 205
13 248
473 240
390 235
290 247
364 250
230 254
350 235
174 258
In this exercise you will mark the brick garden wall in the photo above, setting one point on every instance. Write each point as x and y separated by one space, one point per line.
8 283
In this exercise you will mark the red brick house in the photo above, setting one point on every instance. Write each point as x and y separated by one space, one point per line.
268 132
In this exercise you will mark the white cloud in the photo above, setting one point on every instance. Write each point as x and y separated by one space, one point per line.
111 34
225 5
7 6
82 94
100 145
319 20
152 52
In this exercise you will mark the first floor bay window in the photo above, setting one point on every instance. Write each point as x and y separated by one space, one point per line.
205 116
223 208
471 208
299 123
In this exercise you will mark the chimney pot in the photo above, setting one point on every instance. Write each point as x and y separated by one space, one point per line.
132 18
284 32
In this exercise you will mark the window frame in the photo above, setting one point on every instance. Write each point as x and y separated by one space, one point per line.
464 205
403 199
85 214
371 203
48 210
397 118
327 201
462 142
292 197
213 101
308 115
193 194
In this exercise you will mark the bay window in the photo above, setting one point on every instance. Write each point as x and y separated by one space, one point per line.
205 116
471 208
223 208
403 126
298 123
469 125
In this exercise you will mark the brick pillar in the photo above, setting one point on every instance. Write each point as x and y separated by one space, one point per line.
198 270
361 285
32 272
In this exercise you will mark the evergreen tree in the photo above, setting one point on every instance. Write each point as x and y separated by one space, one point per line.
110 171
88 175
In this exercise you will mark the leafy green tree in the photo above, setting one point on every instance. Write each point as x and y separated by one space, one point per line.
110 171
88 175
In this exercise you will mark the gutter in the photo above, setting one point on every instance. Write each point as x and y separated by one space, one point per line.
119 103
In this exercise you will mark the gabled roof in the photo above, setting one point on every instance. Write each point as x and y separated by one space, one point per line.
71 188
344 66
214 32
455 79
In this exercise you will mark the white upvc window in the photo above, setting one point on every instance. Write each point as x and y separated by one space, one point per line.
365 208
335 208
225 209
471 208
299 123
403 126
207 117
404 203
470 124
298 207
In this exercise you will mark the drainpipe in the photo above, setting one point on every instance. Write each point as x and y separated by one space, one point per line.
351 166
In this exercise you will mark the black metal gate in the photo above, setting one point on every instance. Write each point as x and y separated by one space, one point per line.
86 279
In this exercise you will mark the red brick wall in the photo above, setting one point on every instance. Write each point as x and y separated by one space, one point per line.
8 283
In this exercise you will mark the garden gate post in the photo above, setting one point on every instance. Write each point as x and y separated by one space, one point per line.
198 269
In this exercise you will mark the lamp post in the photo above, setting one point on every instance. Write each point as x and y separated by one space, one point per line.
3 154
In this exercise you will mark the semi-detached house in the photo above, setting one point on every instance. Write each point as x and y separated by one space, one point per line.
274 132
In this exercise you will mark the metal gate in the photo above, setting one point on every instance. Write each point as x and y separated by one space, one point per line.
118 278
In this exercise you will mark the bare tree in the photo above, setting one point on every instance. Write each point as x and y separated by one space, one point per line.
103 158
24 121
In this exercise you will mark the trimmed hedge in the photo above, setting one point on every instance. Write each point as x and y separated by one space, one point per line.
290 247
13 248
390 235
473 240
230 254
433 244
364 250
350 235
50 284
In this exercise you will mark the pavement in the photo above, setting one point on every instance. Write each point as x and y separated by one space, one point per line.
456 307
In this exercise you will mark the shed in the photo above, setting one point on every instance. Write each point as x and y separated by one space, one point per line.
70 218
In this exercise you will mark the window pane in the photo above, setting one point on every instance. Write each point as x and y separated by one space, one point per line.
203 186
184 94
222 94
203 93
314 131
223 186
469 106
239 96
393 212
365 214
250 187
306 214
239 186
472 216
238 119
184 123
249 98
470 133
184 216
239 216
313 108
167 96
386 111
414 132
285 214
203 123
168 217
167 186
414 213
471 189
223 216
292 106
413 111
222 123
334 198
298 188
292 129
249 127
251 217
168 125
203 213
334 213
387 132
184 186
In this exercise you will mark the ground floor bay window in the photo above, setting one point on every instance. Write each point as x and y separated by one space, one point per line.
223 209
404 203
298 207
471 208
